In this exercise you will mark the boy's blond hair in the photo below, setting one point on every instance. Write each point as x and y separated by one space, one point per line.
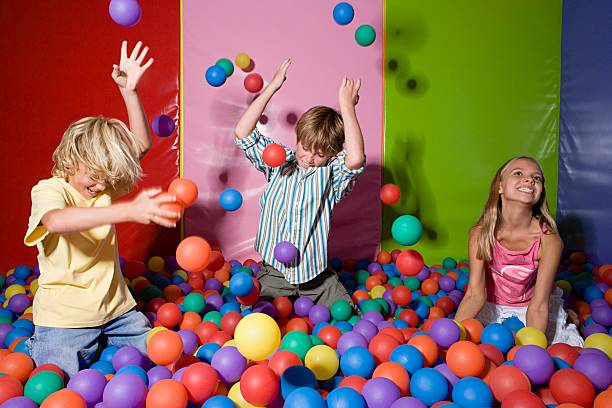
104 146
321 129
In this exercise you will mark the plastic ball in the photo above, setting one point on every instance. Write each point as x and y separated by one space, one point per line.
597 367
253 82
165 347
304 397
167 394
193 253
569 385
274 155
259 385
126 13
506 379
17 365
343 13
229 364
351 339
535 362
296 377
230 199
345 397
227 66
163 125
406 230
219 401
242 60
465 359
523 399
380 392
241 284
498 335
285 252
600 341
169 315
389 194
89 384
63 399
401 295
396 373
472 392
125 391
283 359
409 262
20 402
257 336
127 355
215 76
445 332
365 35
10 387
322 361
184 190
200 381
429 386
531 335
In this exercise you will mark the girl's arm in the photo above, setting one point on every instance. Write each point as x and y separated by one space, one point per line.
475 296
550 256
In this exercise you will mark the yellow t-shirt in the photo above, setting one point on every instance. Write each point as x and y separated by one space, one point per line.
80 283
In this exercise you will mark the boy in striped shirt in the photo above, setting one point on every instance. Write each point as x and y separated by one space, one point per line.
302 192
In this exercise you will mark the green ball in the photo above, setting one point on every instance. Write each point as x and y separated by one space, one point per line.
395 281
361 276
354 319
194 302
41 385
5 319
227 66
316 341
341 310
365 35
406 230
464 260
412 282
297 342
426 300
213 316
246 270
2 281
449 263
151 292
370 304
383 304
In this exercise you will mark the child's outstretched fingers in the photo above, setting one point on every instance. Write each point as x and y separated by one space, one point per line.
281 74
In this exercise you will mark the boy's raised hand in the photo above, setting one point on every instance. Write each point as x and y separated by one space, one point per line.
349 92
280 76
130 70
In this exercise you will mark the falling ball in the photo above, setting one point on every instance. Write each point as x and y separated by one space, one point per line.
163 125
253 82
343 13
215 76
230 199
365 35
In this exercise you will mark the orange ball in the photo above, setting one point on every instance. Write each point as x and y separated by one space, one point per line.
9 387
64 399
604 399
205 330
396 373
401 295
330 335
165 347
169 315
510 354
175 207
353 381
18 365
167 394
429 286
192 253
297 323
360 295
190 321
473 329
428 348
506 379
184 190
172 293
436 312
465 359
373 281
383 257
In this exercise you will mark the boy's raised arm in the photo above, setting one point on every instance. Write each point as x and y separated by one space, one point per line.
353 139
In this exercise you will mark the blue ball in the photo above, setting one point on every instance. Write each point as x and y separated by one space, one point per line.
241 284
429 386
14 334
591 293
230 306
163 125
207 351
345 397
513 323
304 397
357 361
215 76
343 13
472 392
132 369
230 200
219 401
22 348
296 377
408 357
24 324
22 272
498 335
103 367
108 353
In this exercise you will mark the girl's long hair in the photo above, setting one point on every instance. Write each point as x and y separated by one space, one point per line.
490 219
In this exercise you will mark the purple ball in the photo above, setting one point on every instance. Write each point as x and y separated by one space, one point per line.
382 324
600 314
185 287
380 392
366 328
424 274
535 362
263 306
190 341
170 264
373 316
213 284
19 402
318 314
594 328
157 374
214 302
457 293
163 125
373 267
126 13
445 332
447 373
302 306
351 339
597 368
179 374
127 355
10 280
125 391
36 270
408 402
229 363
598 302
255 267
285 252
89 384
446 283
5 328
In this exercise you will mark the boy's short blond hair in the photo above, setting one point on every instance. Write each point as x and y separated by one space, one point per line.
104 146
321 129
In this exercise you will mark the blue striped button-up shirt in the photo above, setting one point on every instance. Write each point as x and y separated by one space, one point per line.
296 207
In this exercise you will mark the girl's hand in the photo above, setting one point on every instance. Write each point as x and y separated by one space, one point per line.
130 70
280 76
145 208
349 92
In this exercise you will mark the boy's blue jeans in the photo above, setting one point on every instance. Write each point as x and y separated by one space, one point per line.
75 349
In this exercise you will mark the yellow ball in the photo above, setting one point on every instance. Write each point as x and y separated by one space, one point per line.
10 272
34 286
565 286
531 335
377 291
5 304
28 310
323 361
463 335
236 396
601 342
257 336
156 264
231 343
138 279
181 273
154 330
242 60
14 290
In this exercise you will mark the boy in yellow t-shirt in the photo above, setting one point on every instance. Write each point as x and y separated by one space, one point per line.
82 295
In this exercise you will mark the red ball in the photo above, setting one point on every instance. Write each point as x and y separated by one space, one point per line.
274 155
259 385
229 321
283 306
381 346
522 399
283 359
200 380
506 379
253 82
409 316
389 194
563 351
330 335
64 398
409 262
401 295
205 330
569 385
465 359
9 387
492 353
169 315
184 190
192 253
353 381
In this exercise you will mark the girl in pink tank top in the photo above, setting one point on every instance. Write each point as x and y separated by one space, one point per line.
514 252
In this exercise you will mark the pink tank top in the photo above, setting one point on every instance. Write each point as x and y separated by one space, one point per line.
511 275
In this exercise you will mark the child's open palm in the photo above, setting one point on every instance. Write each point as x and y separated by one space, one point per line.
349 92
281 74
130 70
